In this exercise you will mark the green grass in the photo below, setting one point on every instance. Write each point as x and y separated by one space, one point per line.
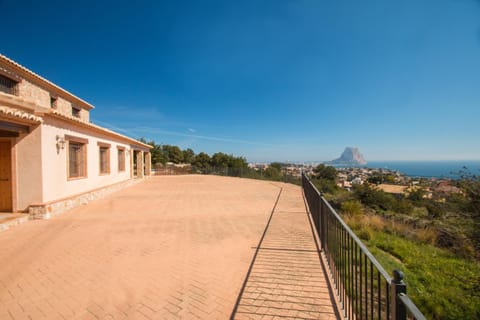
442 285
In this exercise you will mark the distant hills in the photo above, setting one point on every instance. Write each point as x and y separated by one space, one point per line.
351 156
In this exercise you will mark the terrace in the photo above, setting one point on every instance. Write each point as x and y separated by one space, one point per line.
195 247
171 247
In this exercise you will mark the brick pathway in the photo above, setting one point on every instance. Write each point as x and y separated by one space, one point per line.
286 279
167 248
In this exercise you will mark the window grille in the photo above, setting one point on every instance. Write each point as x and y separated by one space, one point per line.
121 160
8 85
104 160
76 160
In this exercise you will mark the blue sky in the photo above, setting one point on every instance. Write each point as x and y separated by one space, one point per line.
268 80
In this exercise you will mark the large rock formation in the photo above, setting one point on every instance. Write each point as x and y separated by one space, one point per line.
351 156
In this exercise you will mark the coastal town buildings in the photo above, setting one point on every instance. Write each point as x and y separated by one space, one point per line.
52 157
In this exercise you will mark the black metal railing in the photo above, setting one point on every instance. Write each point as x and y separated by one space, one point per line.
242 172
364 289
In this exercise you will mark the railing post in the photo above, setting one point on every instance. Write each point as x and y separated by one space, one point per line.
317 209
321 219
399 312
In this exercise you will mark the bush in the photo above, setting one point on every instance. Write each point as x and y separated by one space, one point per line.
325 185
426 235
352 207
376 199
364 233
403 206
325 172
273 173
375 222
435 209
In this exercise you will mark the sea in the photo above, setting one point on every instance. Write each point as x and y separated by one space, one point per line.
430 169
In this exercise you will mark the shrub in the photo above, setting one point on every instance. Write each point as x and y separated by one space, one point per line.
374 198
364 233
375 222
325 185
436 209
354 222
325 172
426 235
403 206
352 207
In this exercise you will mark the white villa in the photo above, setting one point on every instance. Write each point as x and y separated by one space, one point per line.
52 158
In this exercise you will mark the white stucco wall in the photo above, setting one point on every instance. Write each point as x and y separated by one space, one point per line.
28 169
55 184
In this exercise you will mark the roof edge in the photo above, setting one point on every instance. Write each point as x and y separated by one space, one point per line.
57 115
50 86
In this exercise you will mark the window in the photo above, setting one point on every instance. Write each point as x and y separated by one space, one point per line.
77 157
8 85
76 112
104 157
53 102
121 159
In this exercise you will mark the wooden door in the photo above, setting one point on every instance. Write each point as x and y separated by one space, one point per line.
5 177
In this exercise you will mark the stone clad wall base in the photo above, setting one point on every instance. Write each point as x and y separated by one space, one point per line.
51 209
16 220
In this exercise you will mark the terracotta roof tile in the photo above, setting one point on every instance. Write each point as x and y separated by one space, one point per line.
16 113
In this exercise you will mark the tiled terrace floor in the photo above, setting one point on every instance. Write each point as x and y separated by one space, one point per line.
175 247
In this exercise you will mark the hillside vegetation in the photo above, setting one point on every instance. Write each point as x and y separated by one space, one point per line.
434 240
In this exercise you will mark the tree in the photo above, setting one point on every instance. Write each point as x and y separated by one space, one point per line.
325 185
325 172
173 153
202 161
374 198
273 173
324 178
158 156
237 162
188 155
277 165
417 195
220 160
375 179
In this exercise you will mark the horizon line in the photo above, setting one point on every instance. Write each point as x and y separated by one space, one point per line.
376 160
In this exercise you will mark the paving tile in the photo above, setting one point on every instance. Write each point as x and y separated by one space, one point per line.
286 270
167 248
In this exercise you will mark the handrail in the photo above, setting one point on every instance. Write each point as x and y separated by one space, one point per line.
358 241
364 289
411 307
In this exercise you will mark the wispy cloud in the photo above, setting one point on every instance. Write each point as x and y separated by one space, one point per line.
112 127
149 130
141 131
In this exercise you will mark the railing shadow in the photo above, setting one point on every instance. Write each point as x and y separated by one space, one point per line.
237 303
286 278
365 290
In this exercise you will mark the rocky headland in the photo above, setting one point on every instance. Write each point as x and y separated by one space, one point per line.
351 156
